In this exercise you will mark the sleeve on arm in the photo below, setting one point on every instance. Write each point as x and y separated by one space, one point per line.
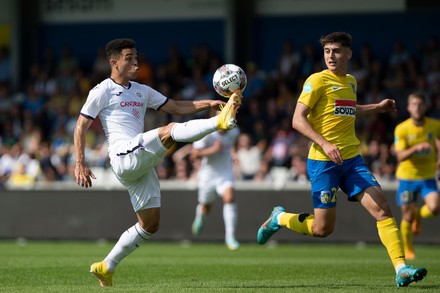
166 101
94 104
399 139
87 116
155 99
312 90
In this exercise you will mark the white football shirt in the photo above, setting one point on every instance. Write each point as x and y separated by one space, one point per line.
218 165
121 109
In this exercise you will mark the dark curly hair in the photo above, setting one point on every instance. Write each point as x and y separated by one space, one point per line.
116 46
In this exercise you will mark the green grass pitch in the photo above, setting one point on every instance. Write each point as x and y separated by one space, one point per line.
42 266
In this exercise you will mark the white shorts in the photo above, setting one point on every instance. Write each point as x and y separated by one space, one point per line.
134 165
209 190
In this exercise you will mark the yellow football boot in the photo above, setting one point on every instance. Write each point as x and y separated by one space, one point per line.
226 118
99 269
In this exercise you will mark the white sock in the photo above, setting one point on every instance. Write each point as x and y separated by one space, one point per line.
129 241
279 218
193 130
230 218
399 267
199 213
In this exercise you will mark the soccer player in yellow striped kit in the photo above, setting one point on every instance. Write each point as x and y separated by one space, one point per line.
326 113
415 141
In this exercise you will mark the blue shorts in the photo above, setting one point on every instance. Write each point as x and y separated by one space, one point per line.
409 190
326 177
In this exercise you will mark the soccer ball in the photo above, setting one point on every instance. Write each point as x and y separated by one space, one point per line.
229 78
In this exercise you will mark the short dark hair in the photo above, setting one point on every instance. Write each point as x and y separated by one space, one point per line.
337 37
116 46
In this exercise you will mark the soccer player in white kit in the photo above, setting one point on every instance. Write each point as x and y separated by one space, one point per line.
121 105
216 178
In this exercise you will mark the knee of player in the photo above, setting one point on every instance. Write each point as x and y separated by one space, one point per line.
381 212
408 218
436 210
206 208
322 232
228 200
386 214
153 228
165 135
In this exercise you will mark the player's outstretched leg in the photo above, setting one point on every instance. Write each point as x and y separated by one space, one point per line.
270 226
99 270
409 274
226 118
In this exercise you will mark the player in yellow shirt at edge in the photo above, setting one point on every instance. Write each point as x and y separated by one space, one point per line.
416 142
325 113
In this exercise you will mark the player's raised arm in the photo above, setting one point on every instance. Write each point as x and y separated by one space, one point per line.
386 105
190 107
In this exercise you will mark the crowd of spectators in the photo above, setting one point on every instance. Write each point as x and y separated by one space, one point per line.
37 122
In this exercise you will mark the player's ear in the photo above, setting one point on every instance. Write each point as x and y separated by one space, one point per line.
113 62
349 53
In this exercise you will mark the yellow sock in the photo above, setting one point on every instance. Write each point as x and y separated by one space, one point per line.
407 238
392 240
301 223
425 213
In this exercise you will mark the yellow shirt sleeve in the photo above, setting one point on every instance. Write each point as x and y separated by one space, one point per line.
313 90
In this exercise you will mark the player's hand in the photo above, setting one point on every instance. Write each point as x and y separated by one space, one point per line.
423 147
83 175
217 104
333 153
387 105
